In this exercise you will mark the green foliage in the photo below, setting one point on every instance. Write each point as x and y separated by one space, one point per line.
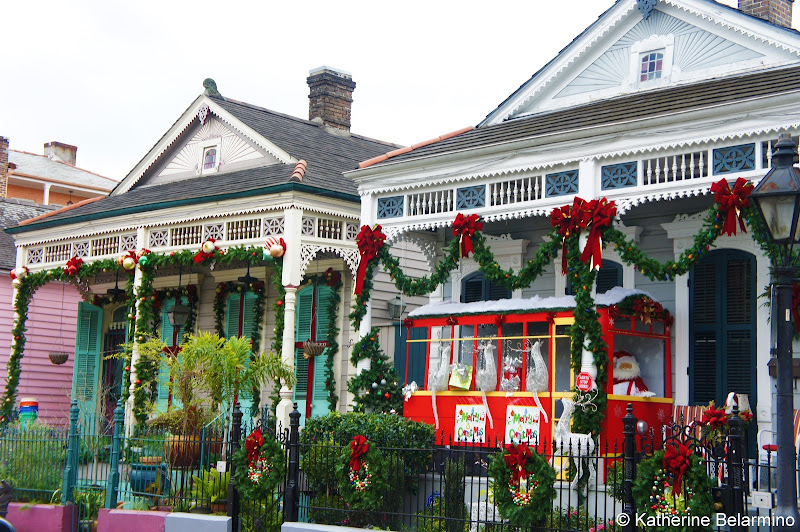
324 509
695 479
264 515
435 518
375 389
188 420
211 487
376 494
455 485
32 459
536 512
318 463
273 458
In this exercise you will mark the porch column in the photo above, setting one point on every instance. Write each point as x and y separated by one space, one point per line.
369 215
141 234
292 234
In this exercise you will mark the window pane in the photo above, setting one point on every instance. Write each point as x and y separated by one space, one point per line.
210 159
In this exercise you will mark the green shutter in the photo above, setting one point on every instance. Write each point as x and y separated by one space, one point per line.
232 316
167 331
320 406
85 374
249 325
302 331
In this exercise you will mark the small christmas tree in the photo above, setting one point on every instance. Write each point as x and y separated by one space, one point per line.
376 389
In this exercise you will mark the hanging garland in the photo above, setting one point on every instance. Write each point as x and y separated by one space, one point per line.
140 305
363 475
277 334
523 485
673 482
569 222
334 280
259 466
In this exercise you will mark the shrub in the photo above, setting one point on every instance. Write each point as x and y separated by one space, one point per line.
319 465
454 486
435 518
325 509
33 459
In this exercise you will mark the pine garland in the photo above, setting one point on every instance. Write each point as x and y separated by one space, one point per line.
278 310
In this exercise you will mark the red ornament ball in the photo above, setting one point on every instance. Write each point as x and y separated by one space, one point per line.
279 303
386 395
138 382
127 368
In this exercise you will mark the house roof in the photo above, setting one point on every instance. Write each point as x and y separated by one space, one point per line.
42 167
614 111
327 155
13 211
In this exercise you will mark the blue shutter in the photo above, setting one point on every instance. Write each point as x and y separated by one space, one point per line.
85 373
302 332
320 406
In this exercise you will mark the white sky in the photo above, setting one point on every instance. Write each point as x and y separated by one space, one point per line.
111 77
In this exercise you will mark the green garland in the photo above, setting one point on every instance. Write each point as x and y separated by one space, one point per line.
369 490
537 503
376 389
256 476
278 310
586 329
650 483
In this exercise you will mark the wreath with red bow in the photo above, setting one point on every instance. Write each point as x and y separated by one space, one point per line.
260 465
523 485
363 475
673 482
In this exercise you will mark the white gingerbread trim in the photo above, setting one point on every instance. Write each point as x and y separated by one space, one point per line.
309 251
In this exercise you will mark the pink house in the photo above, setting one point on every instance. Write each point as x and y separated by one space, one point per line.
52 315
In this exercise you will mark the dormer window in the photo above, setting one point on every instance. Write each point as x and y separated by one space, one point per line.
209 156
210 159
652 65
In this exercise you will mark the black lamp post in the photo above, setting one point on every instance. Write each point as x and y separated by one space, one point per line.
777 201
396 307
179 312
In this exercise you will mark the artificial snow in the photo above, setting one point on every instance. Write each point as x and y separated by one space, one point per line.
534 304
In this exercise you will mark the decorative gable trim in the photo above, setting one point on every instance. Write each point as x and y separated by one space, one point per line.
200 110
753 29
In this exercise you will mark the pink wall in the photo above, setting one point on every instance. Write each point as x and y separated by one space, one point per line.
130 521
49 329
39 517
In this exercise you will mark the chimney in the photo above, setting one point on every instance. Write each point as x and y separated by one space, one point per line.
330 98
58 151
778 12
3 167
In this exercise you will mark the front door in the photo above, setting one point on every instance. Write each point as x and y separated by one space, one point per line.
312 322
722 349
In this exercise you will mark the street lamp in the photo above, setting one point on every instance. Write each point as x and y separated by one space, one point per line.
777 201
396 307
179 312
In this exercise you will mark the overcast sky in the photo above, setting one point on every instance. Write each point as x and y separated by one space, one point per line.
111 77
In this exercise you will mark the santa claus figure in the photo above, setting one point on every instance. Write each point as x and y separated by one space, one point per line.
628 376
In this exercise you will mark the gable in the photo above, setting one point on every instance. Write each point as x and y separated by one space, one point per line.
232 151
693 50
688 40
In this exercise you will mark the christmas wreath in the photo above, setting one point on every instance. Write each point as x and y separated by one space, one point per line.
523 485
673 482
259 466
362 472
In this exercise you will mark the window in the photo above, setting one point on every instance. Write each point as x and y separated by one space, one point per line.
476 287
210 159
652 65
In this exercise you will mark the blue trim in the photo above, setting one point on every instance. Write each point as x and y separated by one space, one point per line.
471 197
390 207
621 175
734 159
561 183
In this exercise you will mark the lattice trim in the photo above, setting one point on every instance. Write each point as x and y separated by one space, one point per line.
309 251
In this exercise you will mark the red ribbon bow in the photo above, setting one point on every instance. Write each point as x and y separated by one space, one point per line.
358 448
598 214
253 445
408 323
561 219
731 202
370 241
201 255
73 265
464 228
516 459
676 462
795 303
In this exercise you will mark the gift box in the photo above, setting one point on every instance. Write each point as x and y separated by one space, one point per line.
461 377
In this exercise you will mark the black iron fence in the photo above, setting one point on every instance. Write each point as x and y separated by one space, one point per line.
442 486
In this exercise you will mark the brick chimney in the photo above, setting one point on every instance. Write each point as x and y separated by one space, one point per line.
330 98
58 151
778 12
3 167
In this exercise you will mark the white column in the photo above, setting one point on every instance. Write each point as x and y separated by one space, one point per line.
369 215
46 197
291 277
141 235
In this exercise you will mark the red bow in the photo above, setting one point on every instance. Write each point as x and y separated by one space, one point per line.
370 242
561 219
358 448
714 418
332 277
464 228
408 323
73 265
551 318
676 462
516 459
598 213
647 309
795 303
253 445
731 202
